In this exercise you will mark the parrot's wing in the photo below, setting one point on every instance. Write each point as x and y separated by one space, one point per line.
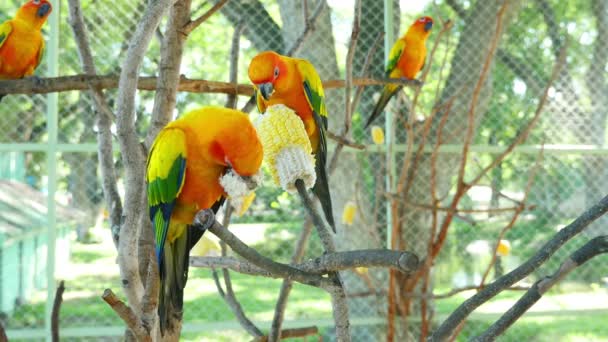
165 175
394 56
313 88
5 31
40 53
259 100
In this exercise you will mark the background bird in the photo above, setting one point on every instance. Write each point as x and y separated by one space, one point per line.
406 58
21 41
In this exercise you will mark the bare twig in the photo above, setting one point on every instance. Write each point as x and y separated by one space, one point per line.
308 28
276 333
193 24
234 62
229 295
446 328
172 49
127 315
3 337
104 121
343 141
292 333
514 217
591 249
55 312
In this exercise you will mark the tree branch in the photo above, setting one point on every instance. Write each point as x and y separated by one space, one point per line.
55 312
234 62
336 290
308 29
205 219
592 248
193 24
132 153
127 315
405 262
279 309
83 82
104 121
445 330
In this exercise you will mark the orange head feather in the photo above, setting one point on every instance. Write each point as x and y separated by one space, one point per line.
421 27
35 12
268 72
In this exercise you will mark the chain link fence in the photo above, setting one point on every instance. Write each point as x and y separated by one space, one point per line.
569 177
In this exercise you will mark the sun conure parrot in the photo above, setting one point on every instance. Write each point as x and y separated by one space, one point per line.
406 59
294 82
185 164
21 42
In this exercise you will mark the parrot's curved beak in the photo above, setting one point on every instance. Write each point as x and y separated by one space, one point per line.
428 26
266 89
43 10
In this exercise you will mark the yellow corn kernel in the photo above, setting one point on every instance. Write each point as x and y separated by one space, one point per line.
349 212
245 203
287 149
377 135
504 248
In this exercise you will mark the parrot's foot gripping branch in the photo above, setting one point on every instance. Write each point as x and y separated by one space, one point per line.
204 219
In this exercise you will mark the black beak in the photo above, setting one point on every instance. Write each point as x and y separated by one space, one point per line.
428 26
43 10
266 90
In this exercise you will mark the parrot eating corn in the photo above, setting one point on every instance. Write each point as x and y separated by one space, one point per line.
406 58
21 41
195 162
294 82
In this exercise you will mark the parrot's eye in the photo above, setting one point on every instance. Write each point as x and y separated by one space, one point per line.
36 2
276 72
423 19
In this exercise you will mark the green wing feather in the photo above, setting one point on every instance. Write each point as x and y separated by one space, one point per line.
41 53
314 95
313 89
5 30
165 176
394 56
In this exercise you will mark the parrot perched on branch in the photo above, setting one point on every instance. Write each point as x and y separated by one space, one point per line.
21 42
294 82
195 162
406 58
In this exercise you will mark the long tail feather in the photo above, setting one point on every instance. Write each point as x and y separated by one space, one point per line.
387 94
321 190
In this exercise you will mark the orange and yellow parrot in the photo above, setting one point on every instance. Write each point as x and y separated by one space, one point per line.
185 164
294 82
406 59
21 42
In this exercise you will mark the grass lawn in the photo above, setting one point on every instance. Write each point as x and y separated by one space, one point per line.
93 268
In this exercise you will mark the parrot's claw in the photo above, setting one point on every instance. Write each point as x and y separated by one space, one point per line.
204 219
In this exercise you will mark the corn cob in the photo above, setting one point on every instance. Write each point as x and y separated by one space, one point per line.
240 191
287 150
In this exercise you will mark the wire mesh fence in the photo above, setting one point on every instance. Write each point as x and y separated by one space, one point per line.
569 172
